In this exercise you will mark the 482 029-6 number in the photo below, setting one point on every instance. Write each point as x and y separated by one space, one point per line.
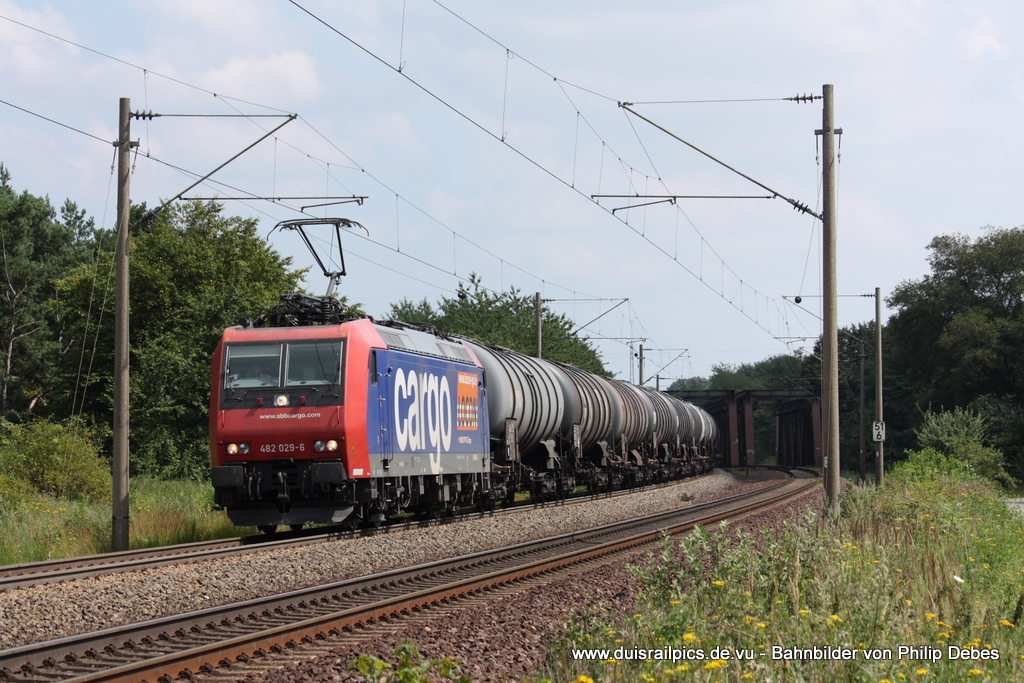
282 447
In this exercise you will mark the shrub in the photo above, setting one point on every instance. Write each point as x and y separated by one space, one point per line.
983 460
13 492
938 430
53 458
929 463
958 435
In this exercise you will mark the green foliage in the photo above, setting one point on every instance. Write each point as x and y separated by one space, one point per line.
39 526
194 272
985 461
929 463
939 430
783 371
57 459
14 491
35 248
690 384
410 667
1004 417
959 434
936 562
505 319
959 330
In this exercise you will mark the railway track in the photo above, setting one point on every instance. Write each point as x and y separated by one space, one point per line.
213 640
67 569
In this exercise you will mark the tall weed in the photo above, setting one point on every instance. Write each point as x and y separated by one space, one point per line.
44 527
934 563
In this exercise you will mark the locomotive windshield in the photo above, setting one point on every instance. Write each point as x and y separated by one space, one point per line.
314 363
300 363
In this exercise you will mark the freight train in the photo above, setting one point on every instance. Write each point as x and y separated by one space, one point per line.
319 417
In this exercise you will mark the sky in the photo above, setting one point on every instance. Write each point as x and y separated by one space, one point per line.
487 138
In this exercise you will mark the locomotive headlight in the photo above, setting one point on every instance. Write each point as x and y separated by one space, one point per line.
325 445
238 449
332 445
281 400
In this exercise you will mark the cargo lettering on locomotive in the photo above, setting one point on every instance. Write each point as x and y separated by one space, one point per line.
425 421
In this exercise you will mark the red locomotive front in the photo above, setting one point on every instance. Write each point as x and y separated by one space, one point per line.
288 422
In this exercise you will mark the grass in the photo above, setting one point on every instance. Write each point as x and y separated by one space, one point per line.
161 513
930 564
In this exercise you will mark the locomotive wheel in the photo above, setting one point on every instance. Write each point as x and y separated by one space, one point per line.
267 528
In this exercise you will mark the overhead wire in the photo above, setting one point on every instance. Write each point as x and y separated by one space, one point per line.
205 180
560 82
550 173
650 160
136 66
62 125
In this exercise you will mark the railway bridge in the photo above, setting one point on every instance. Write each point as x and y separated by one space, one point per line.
797 423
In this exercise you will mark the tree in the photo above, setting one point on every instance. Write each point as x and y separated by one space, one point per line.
960 330
194 272
504 319
964 322
35 249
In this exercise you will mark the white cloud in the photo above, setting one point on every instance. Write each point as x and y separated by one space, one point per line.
282 77
394 131
982 39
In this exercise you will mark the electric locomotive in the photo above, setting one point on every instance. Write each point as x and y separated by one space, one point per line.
344 420
317 416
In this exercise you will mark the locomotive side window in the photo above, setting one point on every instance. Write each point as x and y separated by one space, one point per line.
313 363
252 365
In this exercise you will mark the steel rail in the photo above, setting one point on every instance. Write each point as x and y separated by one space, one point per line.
414 589
68 569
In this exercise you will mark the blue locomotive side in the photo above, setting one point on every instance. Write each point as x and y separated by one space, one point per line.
426 416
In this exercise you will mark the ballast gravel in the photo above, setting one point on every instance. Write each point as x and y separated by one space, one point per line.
507 639
46 612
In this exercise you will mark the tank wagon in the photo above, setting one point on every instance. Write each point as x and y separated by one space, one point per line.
315 417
